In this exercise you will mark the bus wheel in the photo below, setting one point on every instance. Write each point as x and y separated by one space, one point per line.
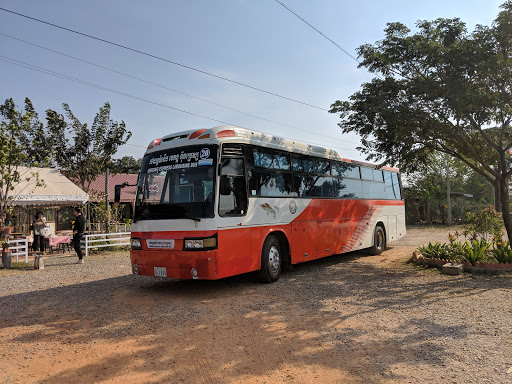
379 241
271 260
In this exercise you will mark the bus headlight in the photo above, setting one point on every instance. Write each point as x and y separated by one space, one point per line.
135 243
197 244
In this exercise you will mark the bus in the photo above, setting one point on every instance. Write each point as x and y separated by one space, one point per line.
223 201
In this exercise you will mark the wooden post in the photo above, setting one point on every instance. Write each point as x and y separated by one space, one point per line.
6 258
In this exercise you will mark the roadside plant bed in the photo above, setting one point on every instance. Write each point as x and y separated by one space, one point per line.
482 248
483 267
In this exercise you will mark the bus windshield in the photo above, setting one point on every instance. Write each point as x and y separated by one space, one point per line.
177 183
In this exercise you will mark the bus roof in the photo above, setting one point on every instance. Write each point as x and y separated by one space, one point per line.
230 133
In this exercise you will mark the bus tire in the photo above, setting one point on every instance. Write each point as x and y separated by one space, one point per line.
379 241
271 260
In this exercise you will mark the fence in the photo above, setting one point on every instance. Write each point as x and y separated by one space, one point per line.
114 227
98 240
19 247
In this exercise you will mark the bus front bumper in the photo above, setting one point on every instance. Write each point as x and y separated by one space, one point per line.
175 264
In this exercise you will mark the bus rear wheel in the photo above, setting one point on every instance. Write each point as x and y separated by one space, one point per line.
379 241
271 260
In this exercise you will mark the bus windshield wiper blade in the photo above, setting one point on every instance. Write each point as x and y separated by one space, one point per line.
142 216
192 218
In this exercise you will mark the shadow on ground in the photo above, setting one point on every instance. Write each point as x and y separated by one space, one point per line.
332 313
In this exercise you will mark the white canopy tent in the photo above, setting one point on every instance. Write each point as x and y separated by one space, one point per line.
54 190
47 190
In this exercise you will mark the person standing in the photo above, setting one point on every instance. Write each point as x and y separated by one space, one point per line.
39 230
78 233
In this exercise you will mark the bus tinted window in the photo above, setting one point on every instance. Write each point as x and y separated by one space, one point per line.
374 190
392 185
322 167
310 177
372 174
348 188
313 186
316 166
366 173
271 183
297 164
262 158
281 162
396 186
310 165
270 159
345 170
323 187
339 169
353 172
377 175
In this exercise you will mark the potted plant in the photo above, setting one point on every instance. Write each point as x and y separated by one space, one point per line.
7 227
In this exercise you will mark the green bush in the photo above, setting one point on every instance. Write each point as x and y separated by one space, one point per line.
476 248
502 253
475 251
437 251
486 223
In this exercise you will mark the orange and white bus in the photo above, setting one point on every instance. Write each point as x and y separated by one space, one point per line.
223 201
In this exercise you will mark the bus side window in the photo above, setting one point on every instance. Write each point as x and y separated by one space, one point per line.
232 189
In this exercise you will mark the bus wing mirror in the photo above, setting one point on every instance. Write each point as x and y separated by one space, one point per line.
224 187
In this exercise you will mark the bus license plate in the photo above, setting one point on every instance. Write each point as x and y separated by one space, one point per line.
160 271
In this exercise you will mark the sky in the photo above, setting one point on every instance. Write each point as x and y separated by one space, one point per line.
255 42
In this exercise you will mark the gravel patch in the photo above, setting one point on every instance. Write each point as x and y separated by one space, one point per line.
347 318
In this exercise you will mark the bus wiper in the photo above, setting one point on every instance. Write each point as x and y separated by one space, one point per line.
196 219
151 215
144 215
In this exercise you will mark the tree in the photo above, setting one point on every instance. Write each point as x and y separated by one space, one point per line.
85 153
37 143
439 89
426 190
126 164
16 125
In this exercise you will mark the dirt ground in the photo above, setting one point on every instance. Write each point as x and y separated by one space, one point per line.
344 319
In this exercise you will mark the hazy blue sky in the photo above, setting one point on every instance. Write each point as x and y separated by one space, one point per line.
256 42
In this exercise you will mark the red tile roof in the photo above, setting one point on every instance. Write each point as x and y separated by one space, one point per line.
97 187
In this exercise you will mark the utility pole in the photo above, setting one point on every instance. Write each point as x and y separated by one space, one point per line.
448 197
107 206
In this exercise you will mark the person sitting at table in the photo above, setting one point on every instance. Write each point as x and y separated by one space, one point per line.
39 229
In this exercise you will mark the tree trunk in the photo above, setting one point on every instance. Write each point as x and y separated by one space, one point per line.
448 195
505 206
497 196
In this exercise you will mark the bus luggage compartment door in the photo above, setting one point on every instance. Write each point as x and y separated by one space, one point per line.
304 241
